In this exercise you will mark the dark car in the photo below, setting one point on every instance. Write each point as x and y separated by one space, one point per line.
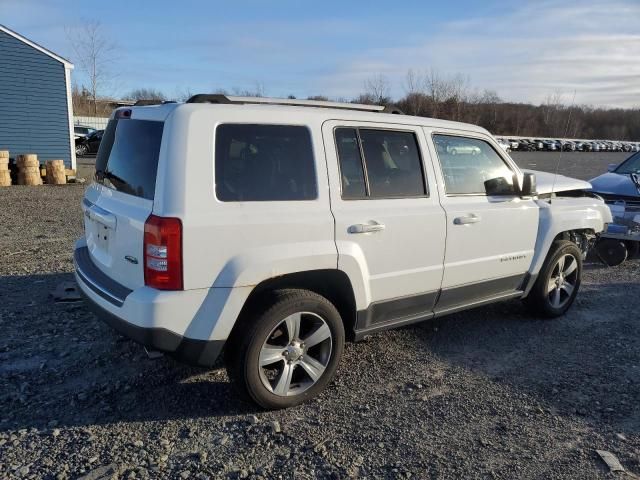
526 145
89 144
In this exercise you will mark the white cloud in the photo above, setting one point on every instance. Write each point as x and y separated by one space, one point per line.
525 55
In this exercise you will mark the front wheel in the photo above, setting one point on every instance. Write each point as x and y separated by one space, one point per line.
288 350
558 282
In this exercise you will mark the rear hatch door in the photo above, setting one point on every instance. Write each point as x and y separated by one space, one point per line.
118 204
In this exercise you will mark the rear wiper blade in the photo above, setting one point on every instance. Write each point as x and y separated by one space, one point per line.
102 174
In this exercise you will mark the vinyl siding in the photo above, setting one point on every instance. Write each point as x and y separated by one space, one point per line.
33 102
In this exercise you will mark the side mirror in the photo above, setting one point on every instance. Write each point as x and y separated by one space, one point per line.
529 187
612 167
498 186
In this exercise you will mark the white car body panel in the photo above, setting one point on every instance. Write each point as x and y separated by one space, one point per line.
236 244
393 262
500 244
564 214
550 182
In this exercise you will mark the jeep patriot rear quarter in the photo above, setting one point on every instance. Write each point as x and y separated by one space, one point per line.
278 228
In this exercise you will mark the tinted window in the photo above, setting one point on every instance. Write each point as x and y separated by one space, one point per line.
353 184
468 162
128 156
264 163
393 164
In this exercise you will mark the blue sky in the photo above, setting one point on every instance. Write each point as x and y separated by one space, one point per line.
525 51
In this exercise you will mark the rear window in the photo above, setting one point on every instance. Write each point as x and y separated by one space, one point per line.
127 160
264 163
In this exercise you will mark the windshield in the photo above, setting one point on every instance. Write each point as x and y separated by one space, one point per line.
630 165
128 156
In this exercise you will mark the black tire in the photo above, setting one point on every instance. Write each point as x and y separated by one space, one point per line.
540 298
611 251
242 352
633 248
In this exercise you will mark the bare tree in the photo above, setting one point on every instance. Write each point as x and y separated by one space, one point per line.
377 89
415 86
258 91
95 55
146 94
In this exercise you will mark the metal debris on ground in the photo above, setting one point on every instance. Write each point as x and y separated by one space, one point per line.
66 292
610 459
153 354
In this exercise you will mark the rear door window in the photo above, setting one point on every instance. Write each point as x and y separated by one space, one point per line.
257 163
392 166
127 160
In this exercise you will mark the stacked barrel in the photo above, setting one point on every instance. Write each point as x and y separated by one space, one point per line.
56 172
28 169
5 175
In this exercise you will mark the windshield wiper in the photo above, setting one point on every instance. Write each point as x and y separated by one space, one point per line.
102 174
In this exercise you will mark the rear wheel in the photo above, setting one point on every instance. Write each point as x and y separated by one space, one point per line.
287 351
558 282
81 150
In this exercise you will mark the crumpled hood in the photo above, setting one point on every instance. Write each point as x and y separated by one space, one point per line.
547 182
616 184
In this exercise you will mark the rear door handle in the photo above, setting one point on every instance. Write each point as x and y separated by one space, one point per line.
466 220
366 227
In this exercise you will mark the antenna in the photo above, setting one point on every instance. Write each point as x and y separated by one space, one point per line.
566 132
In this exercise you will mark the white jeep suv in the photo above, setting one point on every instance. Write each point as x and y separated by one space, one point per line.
276 229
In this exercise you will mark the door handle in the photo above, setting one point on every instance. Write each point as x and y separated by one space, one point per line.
366 227
466 220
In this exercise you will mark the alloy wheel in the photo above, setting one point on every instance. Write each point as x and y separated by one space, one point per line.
295 354
562 281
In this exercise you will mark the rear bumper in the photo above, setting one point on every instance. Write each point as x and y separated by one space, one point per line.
114 304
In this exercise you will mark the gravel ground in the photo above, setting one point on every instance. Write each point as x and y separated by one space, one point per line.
490 393
582 165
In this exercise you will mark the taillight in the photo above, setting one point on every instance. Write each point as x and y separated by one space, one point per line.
163 253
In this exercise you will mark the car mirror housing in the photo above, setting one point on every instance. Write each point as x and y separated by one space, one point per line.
612 167
498 186
529 187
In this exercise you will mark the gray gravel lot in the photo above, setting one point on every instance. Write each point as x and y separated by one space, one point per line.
582 165
490 393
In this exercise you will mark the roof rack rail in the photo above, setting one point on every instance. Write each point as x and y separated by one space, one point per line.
144 102
228 99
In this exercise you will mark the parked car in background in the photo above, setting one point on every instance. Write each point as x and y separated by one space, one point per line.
526 145
580 146
461 148
506 146
567 146
82 131
514 143
89 144
550 145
